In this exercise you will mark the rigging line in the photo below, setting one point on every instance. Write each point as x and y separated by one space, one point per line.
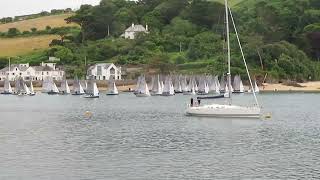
243 57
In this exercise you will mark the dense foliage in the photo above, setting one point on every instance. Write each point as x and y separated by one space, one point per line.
280 37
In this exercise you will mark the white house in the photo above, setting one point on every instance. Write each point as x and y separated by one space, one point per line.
31 72
133 30
104 71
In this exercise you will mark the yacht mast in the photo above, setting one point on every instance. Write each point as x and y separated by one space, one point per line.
229 53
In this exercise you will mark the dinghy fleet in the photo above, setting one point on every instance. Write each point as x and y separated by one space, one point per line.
88 89
188 85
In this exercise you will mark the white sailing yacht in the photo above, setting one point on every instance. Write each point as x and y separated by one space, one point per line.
92 90
142 89
7 87
229 110
112 89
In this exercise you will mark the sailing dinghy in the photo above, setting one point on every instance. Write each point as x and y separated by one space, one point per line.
92 90
7 87
112 89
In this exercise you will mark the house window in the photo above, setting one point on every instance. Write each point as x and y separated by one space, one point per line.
16 69
42 73
12 73
27 78
20 74
104 77
95 77
99 70
112 71
47 73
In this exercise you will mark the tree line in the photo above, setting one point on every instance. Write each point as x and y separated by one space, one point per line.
280 37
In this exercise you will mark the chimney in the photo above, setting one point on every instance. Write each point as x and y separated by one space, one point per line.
147 28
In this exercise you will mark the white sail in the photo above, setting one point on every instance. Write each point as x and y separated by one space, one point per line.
95 89
46 84
256 88
112 89
67 87
81 89
31 88
156 89
168 89
7 87
177 84
27 90
143 90
203 86
241 87
184 85
162 86
55 88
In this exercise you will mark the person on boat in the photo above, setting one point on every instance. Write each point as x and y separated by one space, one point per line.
191 103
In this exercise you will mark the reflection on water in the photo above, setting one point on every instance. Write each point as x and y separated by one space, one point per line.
50 137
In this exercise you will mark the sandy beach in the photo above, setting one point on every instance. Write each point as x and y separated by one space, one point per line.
306 87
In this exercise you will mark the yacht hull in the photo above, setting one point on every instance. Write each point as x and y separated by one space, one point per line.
224 111
91 97
112 94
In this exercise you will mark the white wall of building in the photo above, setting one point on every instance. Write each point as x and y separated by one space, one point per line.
112 72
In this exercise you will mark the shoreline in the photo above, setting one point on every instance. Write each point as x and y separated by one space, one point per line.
309 87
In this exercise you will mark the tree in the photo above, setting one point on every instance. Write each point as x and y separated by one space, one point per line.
33 30
12 32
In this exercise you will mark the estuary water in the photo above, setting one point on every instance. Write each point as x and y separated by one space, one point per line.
50 137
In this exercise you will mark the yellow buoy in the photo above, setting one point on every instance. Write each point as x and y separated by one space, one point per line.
88 114
268 116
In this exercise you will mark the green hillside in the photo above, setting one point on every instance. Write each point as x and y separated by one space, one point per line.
280 37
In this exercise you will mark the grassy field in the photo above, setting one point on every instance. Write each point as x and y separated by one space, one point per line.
39 23
25 45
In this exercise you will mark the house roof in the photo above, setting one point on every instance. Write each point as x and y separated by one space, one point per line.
43 68
13 66
136 28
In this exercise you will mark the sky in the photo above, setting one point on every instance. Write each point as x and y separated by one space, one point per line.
10 8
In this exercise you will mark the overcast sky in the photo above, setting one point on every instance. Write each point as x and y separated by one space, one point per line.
22 7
